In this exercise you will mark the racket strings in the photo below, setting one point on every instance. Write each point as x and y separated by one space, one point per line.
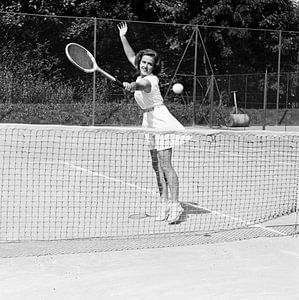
80 57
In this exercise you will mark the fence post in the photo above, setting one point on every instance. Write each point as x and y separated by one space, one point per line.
246 86
211 100
265 99
278 78
194 75
94 73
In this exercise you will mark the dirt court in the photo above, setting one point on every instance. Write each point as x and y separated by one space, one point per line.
262 268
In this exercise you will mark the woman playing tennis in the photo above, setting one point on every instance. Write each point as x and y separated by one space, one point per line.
156 116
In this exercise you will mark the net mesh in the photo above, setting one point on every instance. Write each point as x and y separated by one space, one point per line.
80 56
75 182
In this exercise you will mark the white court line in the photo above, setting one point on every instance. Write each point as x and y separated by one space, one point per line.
149 191
108 177
241 220
269 229
296 254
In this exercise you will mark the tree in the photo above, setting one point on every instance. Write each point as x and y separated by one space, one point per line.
248 50
225 28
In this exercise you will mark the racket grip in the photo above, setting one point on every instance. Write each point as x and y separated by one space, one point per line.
119 83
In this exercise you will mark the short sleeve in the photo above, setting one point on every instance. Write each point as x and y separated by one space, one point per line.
153 80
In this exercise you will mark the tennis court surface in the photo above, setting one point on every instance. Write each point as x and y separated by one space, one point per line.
70 195
255 269
82 183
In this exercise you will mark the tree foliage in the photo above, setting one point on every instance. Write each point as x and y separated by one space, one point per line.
35 45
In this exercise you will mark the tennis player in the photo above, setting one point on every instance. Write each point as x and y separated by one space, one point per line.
156 116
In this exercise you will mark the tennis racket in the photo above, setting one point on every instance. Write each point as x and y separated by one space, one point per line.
85 61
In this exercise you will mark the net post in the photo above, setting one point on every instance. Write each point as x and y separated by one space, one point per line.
296 229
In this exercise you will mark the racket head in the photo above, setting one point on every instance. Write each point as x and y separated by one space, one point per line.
80 57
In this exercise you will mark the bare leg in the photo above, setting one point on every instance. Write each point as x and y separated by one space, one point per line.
161 180
163 211
164 158
174 208
167 178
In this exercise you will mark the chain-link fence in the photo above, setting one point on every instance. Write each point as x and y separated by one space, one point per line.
38 81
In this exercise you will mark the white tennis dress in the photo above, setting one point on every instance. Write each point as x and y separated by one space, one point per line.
157 116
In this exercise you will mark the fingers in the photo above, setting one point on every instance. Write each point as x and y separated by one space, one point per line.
127 86
131 87
124 24
122 27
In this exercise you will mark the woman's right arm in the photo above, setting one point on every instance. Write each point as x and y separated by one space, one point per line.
123 28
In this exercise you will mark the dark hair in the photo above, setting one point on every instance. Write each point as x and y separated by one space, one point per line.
152 53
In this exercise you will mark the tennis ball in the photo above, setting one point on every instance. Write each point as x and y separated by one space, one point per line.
178 88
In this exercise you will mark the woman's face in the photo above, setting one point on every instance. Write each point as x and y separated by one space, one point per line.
146 65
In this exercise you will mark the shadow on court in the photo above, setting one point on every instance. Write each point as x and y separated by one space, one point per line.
190 208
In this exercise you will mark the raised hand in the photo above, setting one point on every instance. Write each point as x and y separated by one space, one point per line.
123 28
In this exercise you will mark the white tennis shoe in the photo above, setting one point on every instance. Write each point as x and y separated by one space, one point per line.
163 211
175 212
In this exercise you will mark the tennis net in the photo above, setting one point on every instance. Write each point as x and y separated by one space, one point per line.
98 182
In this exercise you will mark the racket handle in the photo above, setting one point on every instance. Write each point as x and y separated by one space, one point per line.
119 83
